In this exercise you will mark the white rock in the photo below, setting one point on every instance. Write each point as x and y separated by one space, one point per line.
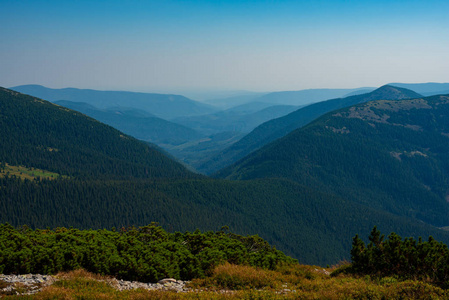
167 280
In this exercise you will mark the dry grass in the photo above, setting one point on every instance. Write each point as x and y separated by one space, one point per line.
309 282
234 277
27 173
3 284
242 282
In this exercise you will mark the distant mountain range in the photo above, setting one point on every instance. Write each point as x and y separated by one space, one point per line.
200 136
137 123
304 97
238 119
426 89
235 100
309 96
277 128
161 105
296 98
205 137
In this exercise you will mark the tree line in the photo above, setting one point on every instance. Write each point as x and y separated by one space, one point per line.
402 258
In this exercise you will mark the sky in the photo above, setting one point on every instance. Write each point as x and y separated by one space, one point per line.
182 46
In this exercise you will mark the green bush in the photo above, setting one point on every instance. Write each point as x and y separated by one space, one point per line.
405 259
146 253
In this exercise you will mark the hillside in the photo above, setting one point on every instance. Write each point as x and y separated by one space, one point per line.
137 123
161 105
37 133
388 155
277 128
311 226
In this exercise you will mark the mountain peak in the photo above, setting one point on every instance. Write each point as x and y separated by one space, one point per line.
393 93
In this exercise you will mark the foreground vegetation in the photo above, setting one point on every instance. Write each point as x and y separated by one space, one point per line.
219 265
145 254
405 259
242 282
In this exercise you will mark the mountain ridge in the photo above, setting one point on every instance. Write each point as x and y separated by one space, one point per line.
426 89
161 105
277 128
142 126
387 154
38 133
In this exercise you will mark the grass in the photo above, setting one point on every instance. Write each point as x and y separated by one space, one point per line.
242 282
27 173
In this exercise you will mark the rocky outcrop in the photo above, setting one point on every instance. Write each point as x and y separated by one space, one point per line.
168 284
32 283
24 284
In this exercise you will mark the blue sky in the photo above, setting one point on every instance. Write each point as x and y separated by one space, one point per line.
177 46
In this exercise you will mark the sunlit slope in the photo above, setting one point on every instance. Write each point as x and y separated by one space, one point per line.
37 133
389 155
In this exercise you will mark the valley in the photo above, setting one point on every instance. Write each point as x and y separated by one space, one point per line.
317 186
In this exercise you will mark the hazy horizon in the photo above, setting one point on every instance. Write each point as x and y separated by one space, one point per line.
201 46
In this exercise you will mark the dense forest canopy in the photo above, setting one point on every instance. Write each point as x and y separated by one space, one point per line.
389 155
402 258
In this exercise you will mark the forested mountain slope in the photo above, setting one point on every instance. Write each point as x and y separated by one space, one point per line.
136 123
277 128
389 155
311 226
162 105
37 133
